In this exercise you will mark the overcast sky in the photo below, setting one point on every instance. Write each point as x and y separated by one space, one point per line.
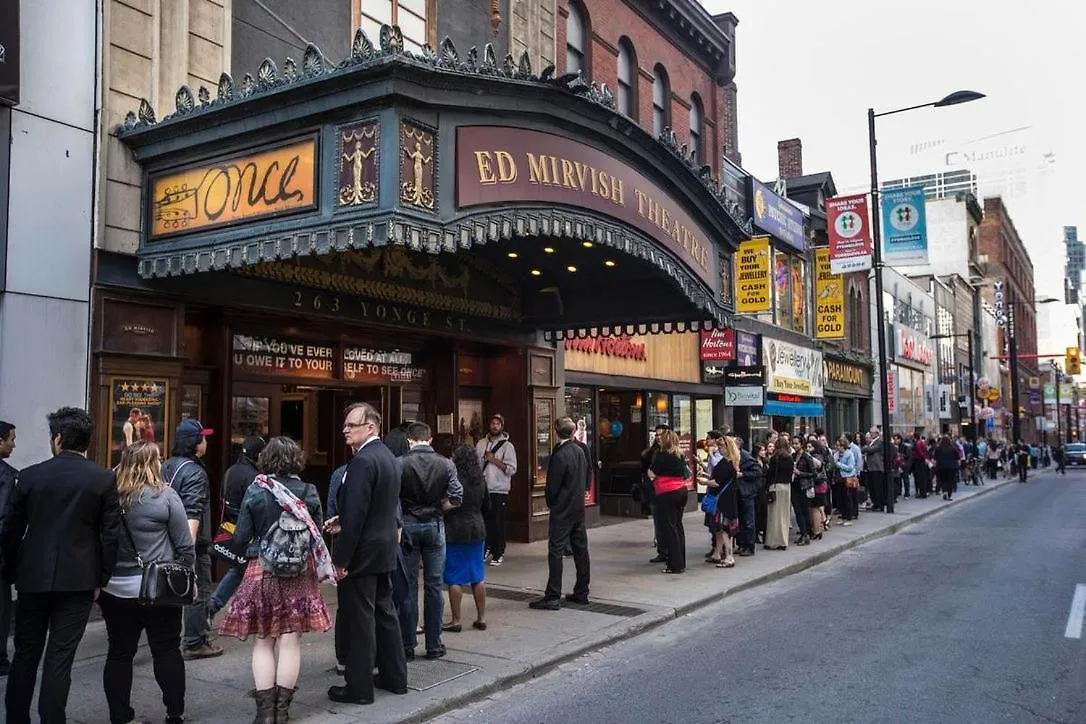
810 70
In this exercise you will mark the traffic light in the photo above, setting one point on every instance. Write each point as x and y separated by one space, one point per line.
1073 361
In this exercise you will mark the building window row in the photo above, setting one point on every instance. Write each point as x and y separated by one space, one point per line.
578 58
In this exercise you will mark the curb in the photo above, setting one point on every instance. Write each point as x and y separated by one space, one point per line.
653 620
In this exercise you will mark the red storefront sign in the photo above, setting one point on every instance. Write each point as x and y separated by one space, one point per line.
621 346
850 235
717 345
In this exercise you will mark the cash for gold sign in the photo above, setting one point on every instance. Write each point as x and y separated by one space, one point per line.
752 276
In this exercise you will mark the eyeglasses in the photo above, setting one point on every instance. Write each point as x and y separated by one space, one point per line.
355 425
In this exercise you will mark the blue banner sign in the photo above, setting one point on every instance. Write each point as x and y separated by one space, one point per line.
776 216
904 226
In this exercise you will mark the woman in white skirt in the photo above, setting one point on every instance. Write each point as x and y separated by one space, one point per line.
779 483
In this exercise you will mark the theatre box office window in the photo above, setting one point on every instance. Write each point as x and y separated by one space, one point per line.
315 236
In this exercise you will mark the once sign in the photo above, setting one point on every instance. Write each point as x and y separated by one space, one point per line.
496 165
235 189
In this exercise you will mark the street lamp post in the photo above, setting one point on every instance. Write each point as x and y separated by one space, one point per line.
1012 353
962 96
972 380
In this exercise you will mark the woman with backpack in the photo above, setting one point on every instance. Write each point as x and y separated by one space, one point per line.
156 529
279 599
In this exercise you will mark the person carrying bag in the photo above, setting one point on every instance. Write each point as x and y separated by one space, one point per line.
154 577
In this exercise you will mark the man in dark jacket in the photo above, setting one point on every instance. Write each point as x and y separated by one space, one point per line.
365 553
59 541
566 474
184 472
235 482
8 476
750 483
428 487
874 463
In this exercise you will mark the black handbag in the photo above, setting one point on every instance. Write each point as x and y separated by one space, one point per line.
162 583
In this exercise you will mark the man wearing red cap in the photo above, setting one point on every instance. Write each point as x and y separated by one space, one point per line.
184 472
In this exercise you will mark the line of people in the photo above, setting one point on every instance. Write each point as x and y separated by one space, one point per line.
74 533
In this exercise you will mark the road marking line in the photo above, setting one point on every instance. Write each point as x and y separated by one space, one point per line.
1078 611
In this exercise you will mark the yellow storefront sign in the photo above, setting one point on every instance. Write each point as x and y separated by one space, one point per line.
752 276
829 298
241 188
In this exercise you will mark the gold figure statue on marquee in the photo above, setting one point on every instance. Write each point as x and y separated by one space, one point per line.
358 191
416 190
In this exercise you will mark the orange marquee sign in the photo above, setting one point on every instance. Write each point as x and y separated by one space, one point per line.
241 188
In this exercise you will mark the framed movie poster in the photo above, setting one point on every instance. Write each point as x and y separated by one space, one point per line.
138 411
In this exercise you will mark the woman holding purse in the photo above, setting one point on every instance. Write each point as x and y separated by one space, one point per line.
277 608
156 529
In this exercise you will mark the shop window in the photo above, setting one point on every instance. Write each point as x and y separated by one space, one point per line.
703 417
799 294
409 15
782 286
577 39
661 93
626 98
682 423
249 416
658 412
581 407
544 439
192 402
697 128
411 404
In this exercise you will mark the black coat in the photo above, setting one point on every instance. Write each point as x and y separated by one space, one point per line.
368 506
566 475
752 474
726 476
464 523
237 480
779 470
63 527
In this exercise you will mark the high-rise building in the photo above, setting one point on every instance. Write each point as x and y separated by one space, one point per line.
1076 262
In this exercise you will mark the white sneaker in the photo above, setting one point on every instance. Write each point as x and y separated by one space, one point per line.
846 523
497 561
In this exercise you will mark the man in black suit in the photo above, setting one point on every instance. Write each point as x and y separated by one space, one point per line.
59 542
365 553
566 476
8 475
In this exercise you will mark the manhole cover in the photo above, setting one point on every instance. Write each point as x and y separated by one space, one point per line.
423 674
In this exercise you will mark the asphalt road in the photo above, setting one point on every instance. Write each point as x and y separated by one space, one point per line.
959 619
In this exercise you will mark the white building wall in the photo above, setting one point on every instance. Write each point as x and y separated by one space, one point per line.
45 311
948 240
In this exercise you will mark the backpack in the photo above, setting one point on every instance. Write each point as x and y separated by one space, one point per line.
285 548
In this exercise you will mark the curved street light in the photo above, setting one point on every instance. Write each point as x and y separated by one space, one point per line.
955 98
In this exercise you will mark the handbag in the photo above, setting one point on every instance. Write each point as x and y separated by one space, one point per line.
709 502
852 482
223 540
162 583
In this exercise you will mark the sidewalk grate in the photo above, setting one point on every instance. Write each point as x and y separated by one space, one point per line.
607 609
423 674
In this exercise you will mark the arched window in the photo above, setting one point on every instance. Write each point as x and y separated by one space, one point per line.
577 38
661 95
627 79
697 117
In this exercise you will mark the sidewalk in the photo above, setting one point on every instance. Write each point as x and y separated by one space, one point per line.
629 595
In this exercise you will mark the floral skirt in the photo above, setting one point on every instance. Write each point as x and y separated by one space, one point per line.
267 605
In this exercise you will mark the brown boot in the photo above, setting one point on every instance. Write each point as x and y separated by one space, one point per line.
265 706
282 704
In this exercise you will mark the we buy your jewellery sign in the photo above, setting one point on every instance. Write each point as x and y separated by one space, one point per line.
791 369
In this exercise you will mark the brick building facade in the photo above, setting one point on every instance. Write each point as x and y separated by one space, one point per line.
676 43
1008 259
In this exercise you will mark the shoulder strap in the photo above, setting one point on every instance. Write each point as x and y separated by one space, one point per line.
175 472
124 522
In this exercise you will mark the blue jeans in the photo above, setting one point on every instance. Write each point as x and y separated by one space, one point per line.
428 548
226 589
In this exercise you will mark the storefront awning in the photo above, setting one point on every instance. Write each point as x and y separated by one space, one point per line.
794 409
